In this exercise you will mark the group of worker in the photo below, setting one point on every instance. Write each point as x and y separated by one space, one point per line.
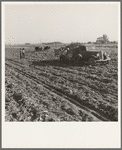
22 53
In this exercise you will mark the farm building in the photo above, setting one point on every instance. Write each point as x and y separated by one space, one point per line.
99 40
27 44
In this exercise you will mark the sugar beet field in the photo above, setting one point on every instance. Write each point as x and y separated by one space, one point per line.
40 88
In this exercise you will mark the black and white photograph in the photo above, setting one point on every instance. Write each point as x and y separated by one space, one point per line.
61 63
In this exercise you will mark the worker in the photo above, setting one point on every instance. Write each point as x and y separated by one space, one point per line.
20 53
23 53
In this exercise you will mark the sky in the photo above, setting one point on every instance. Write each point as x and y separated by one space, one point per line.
40 22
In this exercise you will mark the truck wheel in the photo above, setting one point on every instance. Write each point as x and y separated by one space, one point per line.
61 59
91 61
77 59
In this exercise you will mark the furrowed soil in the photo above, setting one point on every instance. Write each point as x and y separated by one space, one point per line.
40 88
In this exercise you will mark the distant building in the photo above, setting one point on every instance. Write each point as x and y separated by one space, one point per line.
100 40
27 44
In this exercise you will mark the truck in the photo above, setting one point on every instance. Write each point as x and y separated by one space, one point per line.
83 53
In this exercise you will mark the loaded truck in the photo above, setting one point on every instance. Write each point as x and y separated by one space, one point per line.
83 53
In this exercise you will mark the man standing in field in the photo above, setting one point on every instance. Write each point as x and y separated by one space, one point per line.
20 53
23 53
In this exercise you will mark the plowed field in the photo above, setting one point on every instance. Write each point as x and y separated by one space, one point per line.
39 88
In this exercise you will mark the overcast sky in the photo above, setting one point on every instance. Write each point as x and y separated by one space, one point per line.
65 22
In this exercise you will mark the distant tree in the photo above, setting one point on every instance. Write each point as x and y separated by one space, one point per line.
103 42
114 42
105 38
